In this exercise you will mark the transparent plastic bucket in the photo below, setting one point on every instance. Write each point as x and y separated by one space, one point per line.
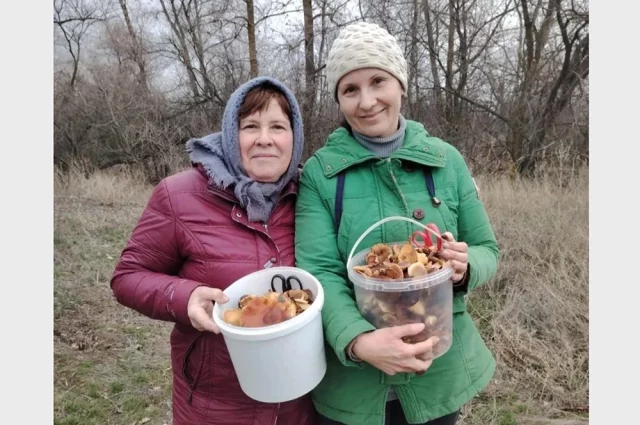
427 299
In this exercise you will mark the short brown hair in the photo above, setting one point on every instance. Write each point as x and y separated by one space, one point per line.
259 98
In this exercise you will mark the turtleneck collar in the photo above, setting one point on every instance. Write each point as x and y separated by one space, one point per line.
383 146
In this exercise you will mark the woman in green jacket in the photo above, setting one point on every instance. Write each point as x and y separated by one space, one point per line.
390 166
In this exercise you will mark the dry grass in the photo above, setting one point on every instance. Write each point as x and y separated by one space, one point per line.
112 365
534 314
117 187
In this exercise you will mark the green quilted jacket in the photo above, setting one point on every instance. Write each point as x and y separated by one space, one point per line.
355 393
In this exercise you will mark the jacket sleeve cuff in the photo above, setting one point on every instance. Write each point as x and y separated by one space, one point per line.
482 266
345 338
178 299
462 286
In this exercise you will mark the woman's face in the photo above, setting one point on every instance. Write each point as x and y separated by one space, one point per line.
266 143
370 101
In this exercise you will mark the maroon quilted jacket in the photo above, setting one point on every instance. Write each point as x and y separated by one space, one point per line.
193 234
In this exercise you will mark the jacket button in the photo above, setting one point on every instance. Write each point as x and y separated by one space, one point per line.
418 214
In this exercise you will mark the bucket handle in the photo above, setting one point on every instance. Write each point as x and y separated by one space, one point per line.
384 220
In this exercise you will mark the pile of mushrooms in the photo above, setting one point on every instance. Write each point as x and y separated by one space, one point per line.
393 308
275 307
391 263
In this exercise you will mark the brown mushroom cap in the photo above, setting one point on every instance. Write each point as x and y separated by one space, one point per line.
298 295
379 254
407 254
417 269
393 271
404 265
430 320
382 259
244 300
363 270
272 297
232 316
290 308
371 259
418 309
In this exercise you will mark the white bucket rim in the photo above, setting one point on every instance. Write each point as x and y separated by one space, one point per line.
271 331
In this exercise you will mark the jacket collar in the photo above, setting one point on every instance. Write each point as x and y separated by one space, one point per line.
342 151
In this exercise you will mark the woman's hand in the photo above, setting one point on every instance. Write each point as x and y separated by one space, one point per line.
385 349
456 253
200 308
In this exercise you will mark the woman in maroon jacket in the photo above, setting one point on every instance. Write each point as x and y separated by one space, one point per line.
229 215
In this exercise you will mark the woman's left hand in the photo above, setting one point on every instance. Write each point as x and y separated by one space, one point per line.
456 253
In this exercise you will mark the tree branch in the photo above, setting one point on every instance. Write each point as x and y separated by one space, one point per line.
478 105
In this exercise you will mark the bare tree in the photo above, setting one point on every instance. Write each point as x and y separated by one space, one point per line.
201 36
433 58
308 105
469 33
414 66
179 43
503 80
251 35
136 47
543 92
74 18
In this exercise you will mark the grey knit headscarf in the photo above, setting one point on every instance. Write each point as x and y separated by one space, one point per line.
219 154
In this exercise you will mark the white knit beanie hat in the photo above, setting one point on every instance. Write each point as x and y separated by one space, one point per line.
365 45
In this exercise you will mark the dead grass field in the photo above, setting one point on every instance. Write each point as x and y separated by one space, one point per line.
112 364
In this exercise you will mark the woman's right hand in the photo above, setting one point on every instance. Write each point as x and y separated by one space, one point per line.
385 349
200 308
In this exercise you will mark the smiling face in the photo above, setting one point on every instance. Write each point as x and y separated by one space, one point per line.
370 101
265 135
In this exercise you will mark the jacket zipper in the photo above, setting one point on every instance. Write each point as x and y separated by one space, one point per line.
192 383
266 231
395 182
275 422
384 404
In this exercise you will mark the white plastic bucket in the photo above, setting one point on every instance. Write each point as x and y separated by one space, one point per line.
280 362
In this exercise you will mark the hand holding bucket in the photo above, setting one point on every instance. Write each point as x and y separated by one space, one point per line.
425 300
200 307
